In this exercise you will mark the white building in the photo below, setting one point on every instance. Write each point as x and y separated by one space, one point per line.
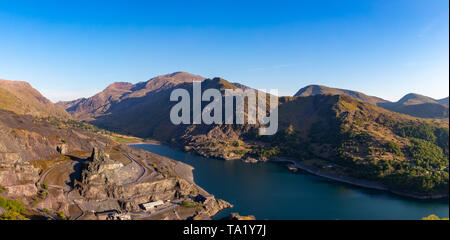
152 205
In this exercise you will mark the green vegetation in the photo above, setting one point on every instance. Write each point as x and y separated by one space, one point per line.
124 139
2 189
72 124
45 210
394 148
191 204
413 160
14 209
60 216
434 217
265 153
425 170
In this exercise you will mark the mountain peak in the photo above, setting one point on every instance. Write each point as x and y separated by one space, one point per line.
9 83
168 80
414 98
312 90
20 97
320 89
178 77
120 86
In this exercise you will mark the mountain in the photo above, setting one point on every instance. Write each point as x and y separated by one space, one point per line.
443 101
419 106
415 99
21 98
360 140
411 104
319 89
88 109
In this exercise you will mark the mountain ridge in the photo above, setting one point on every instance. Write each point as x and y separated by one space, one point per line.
20 97
412 104
358 138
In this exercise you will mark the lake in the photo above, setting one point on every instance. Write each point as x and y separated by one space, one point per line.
270 191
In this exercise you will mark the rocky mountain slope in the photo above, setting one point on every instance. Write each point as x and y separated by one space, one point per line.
411 104
45 165
21 98
419 106
124 94
443 101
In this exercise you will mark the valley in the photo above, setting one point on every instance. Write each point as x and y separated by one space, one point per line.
319 126
79 164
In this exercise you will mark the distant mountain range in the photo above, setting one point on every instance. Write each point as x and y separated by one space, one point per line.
119 94
411 104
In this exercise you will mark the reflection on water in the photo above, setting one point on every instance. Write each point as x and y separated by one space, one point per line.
271 191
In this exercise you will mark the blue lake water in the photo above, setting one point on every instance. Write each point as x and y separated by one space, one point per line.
270 191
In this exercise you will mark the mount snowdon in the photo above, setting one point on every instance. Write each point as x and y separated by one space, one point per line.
356 134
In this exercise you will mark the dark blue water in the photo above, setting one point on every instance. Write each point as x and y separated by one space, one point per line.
271 191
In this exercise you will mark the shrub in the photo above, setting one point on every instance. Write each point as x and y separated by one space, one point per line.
12 205
393 147
61 216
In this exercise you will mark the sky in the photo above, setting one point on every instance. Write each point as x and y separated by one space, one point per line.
72 49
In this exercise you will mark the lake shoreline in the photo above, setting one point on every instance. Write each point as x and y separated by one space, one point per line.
330 176
316 193
355 181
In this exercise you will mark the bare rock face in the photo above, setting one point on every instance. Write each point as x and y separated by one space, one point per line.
236 216
101 169
17 176
213 206
103 179
62 149
55 200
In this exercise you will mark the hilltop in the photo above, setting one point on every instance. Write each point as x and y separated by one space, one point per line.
411 104
22 98
418 105
319 89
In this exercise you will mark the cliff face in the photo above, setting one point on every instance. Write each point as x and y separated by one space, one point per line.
17 177
103 182
34 138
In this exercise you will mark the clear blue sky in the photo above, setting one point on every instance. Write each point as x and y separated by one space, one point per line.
386 48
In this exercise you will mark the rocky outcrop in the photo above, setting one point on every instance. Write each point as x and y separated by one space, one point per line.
236 216
17 176
101 169
103 179
213 206
62 149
